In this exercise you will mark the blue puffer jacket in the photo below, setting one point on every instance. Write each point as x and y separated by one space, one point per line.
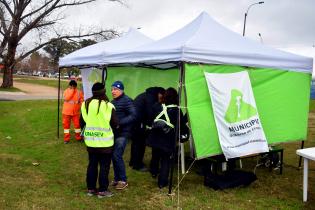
126 114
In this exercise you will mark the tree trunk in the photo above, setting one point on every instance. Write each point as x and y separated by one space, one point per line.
8 63
7 77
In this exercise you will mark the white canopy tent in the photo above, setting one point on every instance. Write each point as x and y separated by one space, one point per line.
96 54
206 41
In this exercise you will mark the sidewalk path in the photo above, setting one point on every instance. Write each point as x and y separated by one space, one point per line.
30 92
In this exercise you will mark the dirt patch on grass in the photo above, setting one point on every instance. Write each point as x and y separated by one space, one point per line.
6 157
30 92
34 89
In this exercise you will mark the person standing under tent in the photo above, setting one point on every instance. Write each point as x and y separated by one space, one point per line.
162 134
155 159
144 103
100 118
73 99
126 114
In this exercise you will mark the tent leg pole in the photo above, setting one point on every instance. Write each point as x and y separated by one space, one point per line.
177 132
300 160
182 155
58 107
104 74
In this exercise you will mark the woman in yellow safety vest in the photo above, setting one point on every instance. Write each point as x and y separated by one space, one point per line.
99 116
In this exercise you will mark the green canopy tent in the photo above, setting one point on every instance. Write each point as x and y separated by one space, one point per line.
280 80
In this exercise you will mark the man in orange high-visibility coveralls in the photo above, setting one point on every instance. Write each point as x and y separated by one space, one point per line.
73 99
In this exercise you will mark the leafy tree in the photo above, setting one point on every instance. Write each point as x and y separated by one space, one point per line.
21 17
35 61
87 42
38 62
58 48
45 65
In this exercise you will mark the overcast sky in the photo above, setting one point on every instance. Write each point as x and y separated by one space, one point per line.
284 24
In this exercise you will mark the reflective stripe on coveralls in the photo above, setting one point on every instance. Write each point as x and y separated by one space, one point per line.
164 112
98 132
77 130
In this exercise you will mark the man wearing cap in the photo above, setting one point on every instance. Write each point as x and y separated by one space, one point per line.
73 99
126 114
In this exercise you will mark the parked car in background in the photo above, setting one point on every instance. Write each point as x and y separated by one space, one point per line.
65 76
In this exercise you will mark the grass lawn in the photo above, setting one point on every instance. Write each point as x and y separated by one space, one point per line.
28 136
312 106
47 82
38 81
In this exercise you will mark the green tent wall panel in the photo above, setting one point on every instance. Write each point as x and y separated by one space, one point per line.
137 79
282 99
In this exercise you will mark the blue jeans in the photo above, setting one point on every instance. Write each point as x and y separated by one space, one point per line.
118 161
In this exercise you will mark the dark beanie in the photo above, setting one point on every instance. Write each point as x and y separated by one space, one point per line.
73 83
98 89
118 84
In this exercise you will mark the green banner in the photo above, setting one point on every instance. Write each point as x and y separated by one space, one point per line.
282 99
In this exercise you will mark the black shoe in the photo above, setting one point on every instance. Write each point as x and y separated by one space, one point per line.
143 169
162 185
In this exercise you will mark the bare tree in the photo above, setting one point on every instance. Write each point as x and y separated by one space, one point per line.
21 17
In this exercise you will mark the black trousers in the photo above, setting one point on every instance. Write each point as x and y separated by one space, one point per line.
103 160
155 162
160 164
82 122
165 168
137 149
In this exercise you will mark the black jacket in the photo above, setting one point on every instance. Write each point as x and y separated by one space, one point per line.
160 140
126 114
144 105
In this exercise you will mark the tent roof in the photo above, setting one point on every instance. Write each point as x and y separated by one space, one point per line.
96 54
206 41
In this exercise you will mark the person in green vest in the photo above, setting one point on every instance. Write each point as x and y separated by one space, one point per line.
99 116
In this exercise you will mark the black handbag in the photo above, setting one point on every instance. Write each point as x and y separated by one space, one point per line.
161 125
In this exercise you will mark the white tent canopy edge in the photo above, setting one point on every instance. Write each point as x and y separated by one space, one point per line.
96 54
206 41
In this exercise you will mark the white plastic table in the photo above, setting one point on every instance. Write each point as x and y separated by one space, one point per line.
307 154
